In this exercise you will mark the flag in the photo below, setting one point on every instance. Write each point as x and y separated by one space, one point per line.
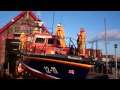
71 71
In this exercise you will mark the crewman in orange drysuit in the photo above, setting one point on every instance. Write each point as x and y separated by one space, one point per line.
36 30
23 39
81 42
60 33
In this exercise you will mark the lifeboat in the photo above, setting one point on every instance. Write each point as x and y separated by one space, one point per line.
44 57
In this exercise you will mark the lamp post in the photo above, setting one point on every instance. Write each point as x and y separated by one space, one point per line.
115 46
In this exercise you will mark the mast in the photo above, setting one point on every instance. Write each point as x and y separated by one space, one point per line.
106 45
38 15
61 16
53 22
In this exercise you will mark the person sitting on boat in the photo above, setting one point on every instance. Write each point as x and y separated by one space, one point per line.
36 30
81 42
60 33
40 24
23 39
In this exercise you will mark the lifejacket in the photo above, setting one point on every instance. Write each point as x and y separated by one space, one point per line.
19 69
60 32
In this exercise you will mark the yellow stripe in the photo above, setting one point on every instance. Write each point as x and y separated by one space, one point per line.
60 61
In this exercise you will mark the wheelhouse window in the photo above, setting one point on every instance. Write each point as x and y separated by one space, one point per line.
58 42
50 41
40 40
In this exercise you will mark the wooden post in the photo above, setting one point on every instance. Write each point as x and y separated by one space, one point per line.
106 45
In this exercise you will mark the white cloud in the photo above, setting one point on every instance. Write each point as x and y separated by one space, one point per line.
112 35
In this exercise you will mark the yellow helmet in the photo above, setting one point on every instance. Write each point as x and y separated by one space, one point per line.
59 25
22 33
35 29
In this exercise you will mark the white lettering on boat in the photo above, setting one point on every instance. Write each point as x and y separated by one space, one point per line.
50 69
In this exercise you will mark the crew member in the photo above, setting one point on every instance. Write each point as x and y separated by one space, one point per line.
71 50
36 30
81 42
40 24
19 70
60 33
23 39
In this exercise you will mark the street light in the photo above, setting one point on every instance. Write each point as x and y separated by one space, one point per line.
115 46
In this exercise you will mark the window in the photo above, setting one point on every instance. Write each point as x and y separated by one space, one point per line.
40 40
50 41
58 42
16 30
26 28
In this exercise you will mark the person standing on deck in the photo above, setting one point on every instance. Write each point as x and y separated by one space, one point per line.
40 24
81 42
59 31
23 39
36 30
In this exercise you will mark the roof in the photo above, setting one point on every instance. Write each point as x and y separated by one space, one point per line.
17 18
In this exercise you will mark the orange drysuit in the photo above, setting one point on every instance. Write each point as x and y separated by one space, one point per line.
23 39
81 42
60 33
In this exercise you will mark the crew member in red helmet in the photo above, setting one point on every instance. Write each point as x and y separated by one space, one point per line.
81 42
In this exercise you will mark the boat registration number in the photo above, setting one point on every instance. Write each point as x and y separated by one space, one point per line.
50 69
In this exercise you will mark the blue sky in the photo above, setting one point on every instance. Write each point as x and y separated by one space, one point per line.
72 21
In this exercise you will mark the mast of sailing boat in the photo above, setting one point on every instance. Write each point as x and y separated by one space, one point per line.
106 46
